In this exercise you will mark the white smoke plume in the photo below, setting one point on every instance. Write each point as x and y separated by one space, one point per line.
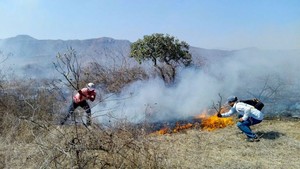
194 91
197 89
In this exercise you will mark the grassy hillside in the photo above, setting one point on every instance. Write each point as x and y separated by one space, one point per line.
225 148
41 145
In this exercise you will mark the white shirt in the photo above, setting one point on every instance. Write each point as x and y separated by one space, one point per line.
245 110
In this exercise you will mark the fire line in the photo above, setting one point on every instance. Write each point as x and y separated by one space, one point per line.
202 121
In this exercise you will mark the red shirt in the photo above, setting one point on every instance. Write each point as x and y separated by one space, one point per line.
84 94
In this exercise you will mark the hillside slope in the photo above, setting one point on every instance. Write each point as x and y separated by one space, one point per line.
224 148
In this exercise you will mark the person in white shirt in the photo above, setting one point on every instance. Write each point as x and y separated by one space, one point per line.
248 116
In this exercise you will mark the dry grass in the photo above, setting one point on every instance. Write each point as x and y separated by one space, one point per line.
75 146
224 148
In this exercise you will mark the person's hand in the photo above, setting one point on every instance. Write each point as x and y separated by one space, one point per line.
92 98
219 114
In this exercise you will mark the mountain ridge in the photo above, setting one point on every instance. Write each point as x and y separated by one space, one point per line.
28 52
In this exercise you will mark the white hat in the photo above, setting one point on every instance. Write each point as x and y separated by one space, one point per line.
91 86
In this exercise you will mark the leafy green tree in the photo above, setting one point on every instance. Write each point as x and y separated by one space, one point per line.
165 51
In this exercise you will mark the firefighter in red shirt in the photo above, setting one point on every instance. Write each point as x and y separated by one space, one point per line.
80 99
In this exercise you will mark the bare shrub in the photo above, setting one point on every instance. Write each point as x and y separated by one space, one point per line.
278 94
34 99
76 146
69 67
73 146
113 79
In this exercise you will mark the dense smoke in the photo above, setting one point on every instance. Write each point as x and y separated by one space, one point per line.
271 76
154 99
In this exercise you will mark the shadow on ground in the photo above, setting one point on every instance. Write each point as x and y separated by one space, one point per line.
271 135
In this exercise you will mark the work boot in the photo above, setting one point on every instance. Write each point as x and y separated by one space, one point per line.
255 139
88 121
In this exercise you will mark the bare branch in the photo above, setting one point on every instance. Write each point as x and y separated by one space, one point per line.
69 67
218 107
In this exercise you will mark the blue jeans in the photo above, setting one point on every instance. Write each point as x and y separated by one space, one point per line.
245 126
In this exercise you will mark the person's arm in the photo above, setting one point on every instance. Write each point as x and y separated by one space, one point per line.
229 113
82 91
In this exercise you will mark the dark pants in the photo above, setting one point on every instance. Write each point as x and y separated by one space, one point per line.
82 104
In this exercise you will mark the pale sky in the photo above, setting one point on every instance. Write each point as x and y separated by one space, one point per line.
211 24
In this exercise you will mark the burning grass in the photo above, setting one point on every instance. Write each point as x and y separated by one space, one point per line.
214 122
203 121
178 128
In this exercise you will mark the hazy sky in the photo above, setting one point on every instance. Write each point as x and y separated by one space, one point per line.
213 24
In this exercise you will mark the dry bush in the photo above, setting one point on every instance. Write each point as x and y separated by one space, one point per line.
76 146
28 99
113 79
30 140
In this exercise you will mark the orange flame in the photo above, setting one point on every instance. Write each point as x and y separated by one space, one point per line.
163 131
208 122
179 127
214 122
